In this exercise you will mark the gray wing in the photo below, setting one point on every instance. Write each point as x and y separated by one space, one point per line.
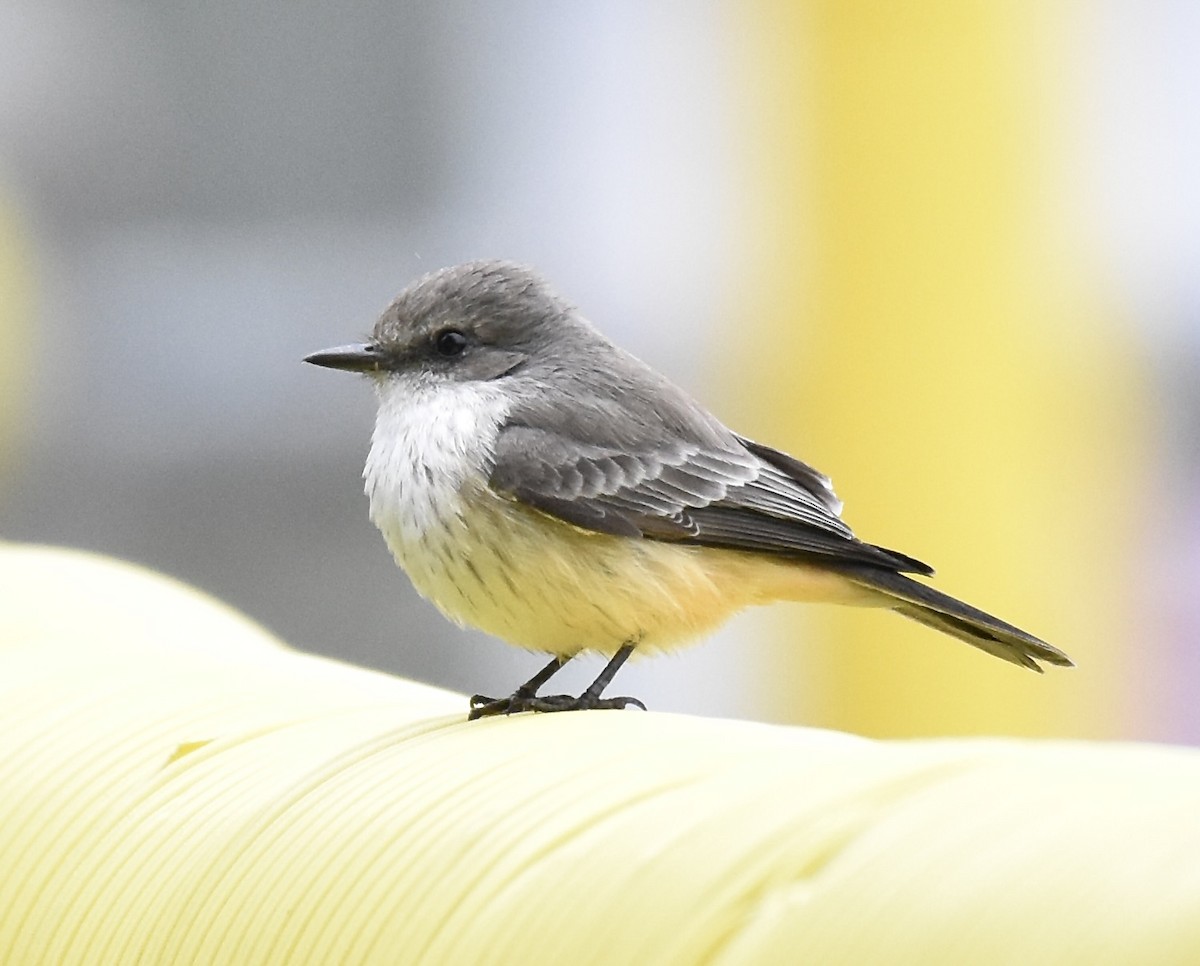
714 489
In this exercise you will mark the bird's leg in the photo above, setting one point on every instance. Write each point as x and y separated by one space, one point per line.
525 698
591 697
483 706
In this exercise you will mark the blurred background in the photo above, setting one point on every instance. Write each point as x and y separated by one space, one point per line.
947 252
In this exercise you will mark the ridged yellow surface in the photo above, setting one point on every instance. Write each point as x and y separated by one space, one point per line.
176 787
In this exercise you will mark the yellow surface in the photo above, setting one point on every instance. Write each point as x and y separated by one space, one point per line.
932 342
176 787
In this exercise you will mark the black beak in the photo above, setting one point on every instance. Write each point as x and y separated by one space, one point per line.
363 357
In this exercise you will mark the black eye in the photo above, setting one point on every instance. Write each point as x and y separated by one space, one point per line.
450 342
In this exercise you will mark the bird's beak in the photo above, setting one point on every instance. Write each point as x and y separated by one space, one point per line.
362 357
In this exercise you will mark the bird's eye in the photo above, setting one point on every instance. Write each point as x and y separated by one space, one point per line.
450 342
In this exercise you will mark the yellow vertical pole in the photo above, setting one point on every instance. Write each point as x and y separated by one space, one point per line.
933 347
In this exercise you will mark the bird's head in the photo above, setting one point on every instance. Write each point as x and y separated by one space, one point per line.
475 322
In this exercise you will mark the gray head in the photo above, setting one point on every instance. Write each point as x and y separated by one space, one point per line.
472 322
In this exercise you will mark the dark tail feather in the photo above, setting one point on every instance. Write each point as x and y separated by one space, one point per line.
942 612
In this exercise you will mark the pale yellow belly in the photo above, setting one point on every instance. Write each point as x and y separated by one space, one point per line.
544 585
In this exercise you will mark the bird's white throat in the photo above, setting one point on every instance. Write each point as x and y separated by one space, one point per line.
430 441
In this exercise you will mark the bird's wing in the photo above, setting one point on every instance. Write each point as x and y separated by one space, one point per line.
721 492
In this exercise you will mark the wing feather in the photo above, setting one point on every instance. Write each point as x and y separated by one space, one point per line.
730 493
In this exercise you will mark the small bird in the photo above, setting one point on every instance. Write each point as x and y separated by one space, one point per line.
541 484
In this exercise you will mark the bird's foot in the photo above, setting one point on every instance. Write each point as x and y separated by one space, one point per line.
484 707
525 698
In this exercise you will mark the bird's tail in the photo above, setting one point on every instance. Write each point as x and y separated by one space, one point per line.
934 609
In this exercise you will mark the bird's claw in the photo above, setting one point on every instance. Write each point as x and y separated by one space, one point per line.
485 707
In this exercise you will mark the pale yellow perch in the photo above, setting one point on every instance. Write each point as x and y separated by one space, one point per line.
176 787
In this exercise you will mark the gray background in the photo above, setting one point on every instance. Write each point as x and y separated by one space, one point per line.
210 191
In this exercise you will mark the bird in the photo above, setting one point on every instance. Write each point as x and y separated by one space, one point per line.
539 483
